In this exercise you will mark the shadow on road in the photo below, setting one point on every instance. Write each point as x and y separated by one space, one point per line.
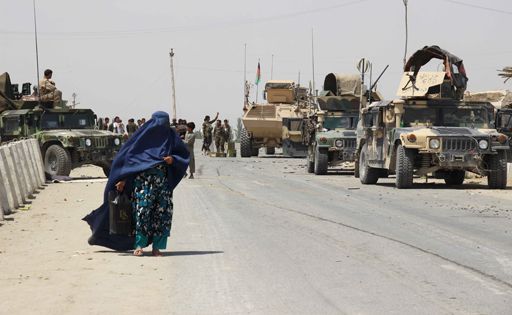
469 186
147 252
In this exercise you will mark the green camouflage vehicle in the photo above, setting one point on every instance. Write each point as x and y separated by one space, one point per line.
67 136
430 130
330 132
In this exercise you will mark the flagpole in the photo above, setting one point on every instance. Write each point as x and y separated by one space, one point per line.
258 76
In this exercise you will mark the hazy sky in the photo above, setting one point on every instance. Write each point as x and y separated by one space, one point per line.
115 53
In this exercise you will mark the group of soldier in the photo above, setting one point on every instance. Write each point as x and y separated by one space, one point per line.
220 133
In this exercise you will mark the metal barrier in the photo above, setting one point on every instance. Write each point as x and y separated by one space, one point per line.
21 174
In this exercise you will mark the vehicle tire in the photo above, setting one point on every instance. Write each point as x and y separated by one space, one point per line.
57 161
245 144
497 177
367 175
270 150
404 167
356 168
310 163
320 162
455 178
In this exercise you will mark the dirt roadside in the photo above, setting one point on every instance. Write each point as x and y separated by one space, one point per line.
48 267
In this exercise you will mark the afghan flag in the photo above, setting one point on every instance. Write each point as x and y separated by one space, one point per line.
258 75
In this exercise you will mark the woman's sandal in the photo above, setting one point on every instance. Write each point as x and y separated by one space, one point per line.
157 252
138 252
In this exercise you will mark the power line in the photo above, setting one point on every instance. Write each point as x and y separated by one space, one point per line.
134 32
479 7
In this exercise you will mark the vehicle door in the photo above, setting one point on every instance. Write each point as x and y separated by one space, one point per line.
504 125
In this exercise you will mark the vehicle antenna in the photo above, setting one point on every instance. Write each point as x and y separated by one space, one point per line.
37 51
272 68
171 55
313 60
406 30
246 100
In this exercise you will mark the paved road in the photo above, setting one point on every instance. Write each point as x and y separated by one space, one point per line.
261 236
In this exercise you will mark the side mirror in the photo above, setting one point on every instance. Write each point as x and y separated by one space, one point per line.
265 95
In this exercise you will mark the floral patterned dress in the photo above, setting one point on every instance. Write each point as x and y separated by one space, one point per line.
153 207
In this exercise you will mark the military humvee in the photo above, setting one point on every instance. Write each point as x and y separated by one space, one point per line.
330 130
277 123
67 136
430 130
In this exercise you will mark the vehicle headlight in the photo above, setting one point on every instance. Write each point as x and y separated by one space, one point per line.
338 143
88 142
434 144
117 141
483 144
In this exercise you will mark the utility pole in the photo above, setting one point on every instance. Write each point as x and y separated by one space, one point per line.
171 55
406 31
74 95
246 92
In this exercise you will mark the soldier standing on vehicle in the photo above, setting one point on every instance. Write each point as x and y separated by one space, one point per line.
207 133
106 122
47 90
219 134
190 139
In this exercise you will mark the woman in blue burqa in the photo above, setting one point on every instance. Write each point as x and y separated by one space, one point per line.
147 167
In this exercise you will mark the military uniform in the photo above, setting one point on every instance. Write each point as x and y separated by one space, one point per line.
219 134
190 139
207 136
48 92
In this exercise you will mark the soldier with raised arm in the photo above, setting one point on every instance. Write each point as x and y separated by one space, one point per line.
207 132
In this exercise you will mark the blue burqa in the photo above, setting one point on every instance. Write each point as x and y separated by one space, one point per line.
145 149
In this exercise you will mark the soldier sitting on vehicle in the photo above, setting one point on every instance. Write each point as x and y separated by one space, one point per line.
47 89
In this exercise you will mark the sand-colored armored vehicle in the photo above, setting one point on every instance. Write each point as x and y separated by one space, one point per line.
430 130
278 123
330 129
67 136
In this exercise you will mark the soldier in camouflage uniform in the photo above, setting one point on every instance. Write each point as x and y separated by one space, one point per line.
207 133
219 134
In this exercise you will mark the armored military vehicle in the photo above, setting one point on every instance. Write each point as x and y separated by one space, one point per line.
67 136
278 123
330 129
431 130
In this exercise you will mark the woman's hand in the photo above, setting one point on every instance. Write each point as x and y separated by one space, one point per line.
120 186
169 160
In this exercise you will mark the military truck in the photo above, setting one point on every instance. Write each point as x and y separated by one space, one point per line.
431 130
330 129
278 123
67 136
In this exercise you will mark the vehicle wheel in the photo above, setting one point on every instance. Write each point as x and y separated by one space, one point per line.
455 178
310 161
367 174
270 150
245 144
356 168
57 161
320 163
404 167
497 177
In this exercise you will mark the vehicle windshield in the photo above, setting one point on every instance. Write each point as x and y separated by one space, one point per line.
50 121
78 121
345 122
449 116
